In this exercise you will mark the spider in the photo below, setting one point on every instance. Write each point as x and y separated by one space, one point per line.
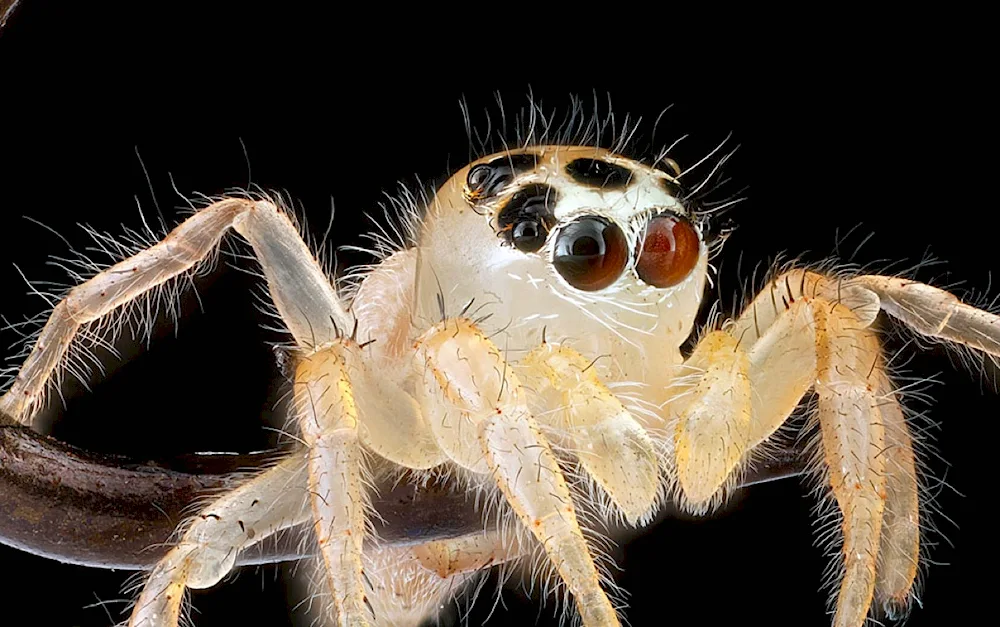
527 343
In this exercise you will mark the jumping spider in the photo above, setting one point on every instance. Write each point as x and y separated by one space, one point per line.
526 343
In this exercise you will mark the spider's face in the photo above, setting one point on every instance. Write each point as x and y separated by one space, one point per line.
588 244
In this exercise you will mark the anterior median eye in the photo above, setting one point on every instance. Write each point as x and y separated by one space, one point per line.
590 253
668 251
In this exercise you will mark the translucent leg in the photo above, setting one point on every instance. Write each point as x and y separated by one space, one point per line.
609 443
274 500
853 434
899 547
409 585
301 290
464 373
328 420
180 251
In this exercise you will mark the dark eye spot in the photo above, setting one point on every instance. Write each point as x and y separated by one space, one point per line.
486 180
590 253
597 173
525 220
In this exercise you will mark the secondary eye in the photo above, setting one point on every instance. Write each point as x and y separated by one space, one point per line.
590 253
669 251
528 236
486 180
597 173
524 221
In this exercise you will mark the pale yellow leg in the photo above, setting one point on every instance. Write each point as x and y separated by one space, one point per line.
328 421
848 373
609 443
274 500
899 548
410 585
782 369
936 313
712 431
300 288
744 384
464 373
180 251
797 286
807 329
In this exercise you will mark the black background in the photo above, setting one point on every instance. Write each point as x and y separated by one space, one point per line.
891 143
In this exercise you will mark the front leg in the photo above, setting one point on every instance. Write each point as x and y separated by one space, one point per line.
328 420
583 416
809 331
474 401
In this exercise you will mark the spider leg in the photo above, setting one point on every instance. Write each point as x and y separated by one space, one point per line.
607 440
465 374
328 420
301 290
711 434
935 313
181 250
899 547
808 330
746 382
848 360
409 585
273 500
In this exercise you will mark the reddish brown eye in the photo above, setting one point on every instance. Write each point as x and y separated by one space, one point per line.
668 252
590 253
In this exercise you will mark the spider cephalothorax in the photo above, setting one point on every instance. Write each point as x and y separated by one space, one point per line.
526 339
594 247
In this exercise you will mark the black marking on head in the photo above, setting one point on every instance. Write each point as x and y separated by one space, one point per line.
597 173
525 220
486 180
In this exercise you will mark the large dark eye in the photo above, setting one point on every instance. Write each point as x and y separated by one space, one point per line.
489 179
590 253
668 251
524 221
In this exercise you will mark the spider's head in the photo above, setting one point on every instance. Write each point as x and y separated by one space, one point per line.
577 239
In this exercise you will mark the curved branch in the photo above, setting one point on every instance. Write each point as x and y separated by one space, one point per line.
70 505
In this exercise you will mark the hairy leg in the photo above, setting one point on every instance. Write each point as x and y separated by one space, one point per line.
591 422
745 382
302 292
273 500
808 330
712 430
465 375
328 421
314 315
409 585
848 360
899 547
